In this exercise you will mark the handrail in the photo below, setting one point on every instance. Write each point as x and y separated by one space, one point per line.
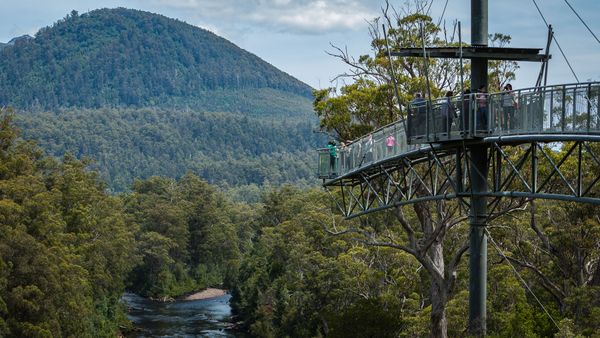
559 108
553 85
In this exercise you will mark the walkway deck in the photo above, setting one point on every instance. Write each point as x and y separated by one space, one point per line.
552 113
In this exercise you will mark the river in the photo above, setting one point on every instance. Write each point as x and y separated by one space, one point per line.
198 318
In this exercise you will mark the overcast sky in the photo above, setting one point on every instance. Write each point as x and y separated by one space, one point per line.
294 35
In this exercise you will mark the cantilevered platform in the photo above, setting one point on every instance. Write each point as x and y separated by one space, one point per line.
392 167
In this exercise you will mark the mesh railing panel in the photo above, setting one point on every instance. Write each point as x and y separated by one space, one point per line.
569 109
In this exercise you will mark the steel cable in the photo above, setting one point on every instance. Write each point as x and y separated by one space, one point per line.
520 277
556 41
583 22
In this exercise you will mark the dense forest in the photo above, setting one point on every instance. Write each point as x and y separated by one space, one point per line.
231 150
190 236
66 246
124 57
141 94
68 250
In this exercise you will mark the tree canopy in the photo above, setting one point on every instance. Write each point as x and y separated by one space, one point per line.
124 57
66 246
231 150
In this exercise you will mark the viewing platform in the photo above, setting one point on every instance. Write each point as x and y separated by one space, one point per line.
552 113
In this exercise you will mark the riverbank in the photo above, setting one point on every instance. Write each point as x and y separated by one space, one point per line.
206 294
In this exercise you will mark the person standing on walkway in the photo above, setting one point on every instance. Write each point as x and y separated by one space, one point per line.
448 112
508 107
390 144
417 126
481 98
345 157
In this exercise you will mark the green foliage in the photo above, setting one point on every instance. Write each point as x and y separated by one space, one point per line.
297 281
367 318
189 237
370 101
231 150
124 57
358 108
500 73
557 250
65 246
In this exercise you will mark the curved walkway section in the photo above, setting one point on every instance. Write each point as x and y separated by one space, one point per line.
558 112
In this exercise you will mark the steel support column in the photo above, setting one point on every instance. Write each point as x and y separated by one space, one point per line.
479 171
478 240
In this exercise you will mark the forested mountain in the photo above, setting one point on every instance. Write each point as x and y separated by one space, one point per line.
116 57
225 148
141 95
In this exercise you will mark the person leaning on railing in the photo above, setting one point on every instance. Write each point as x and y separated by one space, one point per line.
508 107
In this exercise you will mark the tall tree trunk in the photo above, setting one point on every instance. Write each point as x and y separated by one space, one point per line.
439 323
439 296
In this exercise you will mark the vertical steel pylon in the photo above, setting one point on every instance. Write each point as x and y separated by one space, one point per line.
479 171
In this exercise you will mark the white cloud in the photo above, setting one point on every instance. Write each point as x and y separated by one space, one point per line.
315 16
297 16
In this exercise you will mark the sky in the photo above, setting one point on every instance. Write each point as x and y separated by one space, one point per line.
295 35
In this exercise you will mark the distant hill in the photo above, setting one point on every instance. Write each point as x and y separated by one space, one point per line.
141 95
124 57
227 149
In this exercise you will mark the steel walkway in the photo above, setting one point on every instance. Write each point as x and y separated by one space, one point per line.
542 143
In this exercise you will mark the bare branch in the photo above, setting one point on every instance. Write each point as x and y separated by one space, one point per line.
407 228
453 265
554 290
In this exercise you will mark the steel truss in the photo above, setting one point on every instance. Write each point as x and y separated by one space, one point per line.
568 171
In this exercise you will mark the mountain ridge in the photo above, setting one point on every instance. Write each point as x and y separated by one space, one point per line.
126 57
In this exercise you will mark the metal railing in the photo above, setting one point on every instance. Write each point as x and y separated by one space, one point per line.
558 109
377 146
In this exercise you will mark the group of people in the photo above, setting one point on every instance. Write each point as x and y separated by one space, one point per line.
443 120
420 122
365 148
356 154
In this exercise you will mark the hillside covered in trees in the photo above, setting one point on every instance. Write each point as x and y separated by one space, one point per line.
141 94
124 57
232 150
